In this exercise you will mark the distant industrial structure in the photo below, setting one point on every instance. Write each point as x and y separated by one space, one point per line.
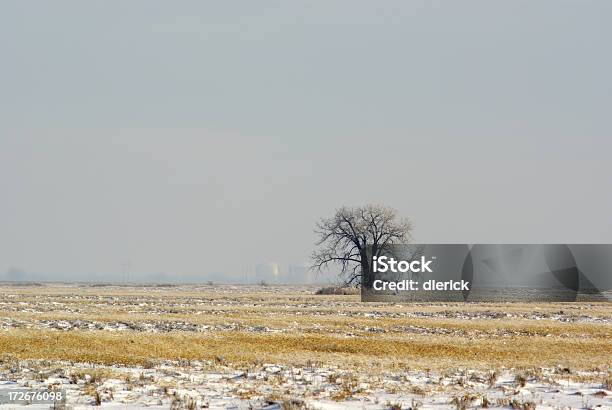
272 272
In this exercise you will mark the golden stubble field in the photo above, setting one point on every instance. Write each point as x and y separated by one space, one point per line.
242 325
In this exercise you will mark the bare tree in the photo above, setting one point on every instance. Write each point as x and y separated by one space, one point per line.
353 236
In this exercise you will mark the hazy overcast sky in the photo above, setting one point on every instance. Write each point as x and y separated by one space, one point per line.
196 138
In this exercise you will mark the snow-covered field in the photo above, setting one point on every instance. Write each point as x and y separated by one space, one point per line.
283 347
207 385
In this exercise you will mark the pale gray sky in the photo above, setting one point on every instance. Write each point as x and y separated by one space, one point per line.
196 138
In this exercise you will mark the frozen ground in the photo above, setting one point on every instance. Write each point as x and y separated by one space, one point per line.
209 385
275 347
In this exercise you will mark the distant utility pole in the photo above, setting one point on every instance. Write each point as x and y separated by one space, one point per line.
125 272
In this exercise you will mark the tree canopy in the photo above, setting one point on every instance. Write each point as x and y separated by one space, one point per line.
352 236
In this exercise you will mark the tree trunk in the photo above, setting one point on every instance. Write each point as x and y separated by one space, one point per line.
367 278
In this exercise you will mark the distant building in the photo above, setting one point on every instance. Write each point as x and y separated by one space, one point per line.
299 274
16 275
268 272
